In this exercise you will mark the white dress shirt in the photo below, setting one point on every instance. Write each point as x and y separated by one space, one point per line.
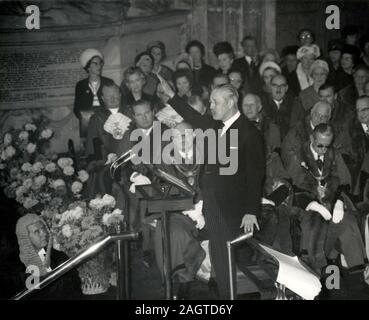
365 128
229 122
42 255
278 103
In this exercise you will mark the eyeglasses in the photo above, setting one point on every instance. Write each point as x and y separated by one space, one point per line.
322 146
306 36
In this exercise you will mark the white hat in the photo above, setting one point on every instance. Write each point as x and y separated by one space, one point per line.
319 64
304 50
88 54
269 64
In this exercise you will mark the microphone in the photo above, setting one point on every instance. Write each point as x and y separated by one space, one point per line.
242 237
123 159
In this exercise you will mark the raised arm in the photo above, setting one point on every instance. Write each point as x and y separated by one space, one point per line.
185 111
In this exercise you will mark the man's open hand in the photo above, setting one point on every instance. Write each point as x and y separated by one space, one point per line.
248 223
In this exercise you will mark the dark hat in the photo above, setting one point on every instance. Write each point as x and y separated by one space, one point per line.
289 50
335 44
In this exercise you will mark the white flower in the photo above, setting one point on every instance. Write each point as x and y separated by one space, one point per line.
37 167
9 152
31 148
76 213
67 231
58 183
40 180
8 139
77 187
46 134
65 162
117 212
20 191
108 201
111 158
26 167
83 175
96 204
29 203
105 219
24 135
30 127
117 124
50 167
68 171
27 183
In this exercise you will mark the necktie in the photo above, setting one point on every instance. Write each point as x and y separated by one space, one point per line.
319 163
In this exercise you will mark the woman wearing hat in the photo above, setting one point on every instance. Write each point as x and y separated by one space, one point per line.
157 50
306 56
308 97
267 71
88 92
349 59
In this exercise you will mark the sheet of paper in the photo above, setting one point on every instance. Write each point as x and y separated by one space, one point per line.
295 276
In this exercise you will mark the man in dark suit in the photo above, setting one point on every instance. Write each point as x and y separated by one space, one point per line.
278 104
356 151
328 224
231 201
249 65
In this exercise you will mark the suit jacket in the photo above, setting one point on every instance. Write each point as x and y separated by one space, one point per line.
303 167
84 97
250 75
347 97
292 81
99 142
357 147
281 116
238 194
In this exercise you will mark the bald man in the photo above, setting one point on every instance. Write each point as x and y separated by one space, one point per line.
320 113
232 202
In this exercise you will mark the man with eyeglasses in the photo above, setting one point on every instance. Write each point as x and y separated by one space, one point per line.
278 104
329 229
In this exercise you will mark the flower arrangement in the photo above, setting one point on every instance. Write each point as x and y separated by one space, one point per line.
22 145
81 225
117 124
35 178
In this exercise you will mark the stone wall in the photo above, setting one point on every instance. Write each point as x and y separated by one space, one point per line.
39 69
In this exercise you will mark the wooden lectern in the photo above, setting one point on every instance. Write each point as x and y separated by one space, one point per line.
166 194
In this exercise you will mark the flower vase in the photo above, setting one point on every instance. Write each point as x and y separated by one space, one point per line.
95 276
